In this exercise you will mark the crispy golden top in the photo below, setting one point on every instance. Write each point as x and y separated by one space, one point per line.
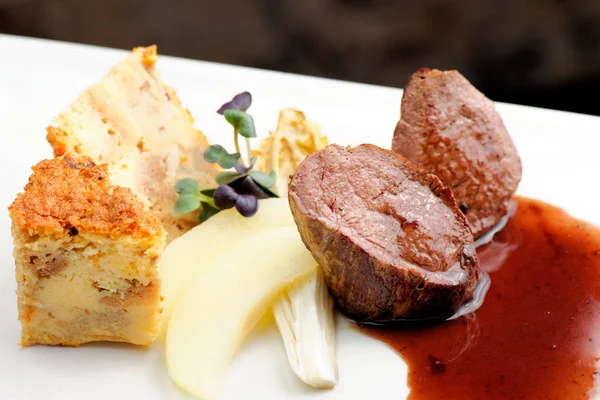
148 55
71 194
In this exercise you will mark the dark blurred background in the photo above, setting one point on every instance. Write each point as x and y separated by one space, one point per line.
537 52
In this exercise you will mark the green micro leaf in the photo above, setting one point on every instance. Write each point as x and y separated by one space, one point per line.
187 186
234 117
242 122
226 177
229 160
246 127
207 211
263 179
270 192
186 203
214 153
217 154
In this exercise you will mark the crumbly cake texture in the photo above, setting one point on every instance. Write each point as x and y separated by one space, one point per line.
136 124
85 253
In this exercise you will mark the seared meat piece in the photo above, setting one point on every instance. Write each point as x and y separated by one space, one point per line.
389 236
452 130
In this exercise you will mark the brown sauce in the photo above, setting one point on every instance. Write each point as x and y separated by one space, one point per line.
536 335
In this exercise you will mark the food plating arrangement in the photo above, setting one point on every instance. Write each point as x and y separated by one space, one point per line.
423 246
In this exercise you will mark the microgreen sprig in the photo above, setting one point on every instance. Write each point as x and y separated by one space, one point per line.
240 186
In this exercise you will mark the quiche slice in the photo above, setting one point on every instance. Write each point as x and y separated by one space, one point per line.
85 253
135 123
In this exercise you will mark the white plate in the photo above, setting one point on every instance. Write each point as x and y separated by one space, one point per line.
40 78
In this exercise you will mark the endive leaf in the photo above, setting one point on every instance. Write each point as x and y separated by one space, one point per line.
305 317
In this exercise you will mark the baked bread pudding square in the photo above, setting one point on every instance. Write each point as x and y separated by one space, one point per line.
135 123
85 253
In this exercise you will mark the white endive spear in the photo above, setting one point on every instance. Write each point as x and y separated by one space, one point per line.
305 317
305 313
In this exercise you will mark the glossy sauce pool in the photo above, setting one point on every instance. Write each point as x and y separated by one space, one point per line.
537 334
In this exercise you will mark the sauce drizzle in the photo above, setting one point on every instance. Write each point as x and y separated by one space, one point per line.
536 335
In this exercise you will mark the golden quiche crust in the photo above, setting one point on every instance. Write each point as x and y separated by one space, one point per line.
72 192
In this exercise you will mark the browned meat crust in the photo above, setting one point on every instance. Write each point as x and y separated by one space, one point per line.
452 130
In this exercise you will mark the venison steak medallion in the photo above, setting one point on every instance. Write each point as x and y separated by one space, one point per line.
390 238
449 128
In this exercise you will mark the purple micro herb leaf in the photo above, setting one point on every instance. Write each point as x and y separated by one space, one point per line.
246 204
240 101
225 197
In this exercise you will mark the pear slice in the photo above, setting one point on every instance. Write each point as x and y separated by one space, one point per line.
225 302
185 257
